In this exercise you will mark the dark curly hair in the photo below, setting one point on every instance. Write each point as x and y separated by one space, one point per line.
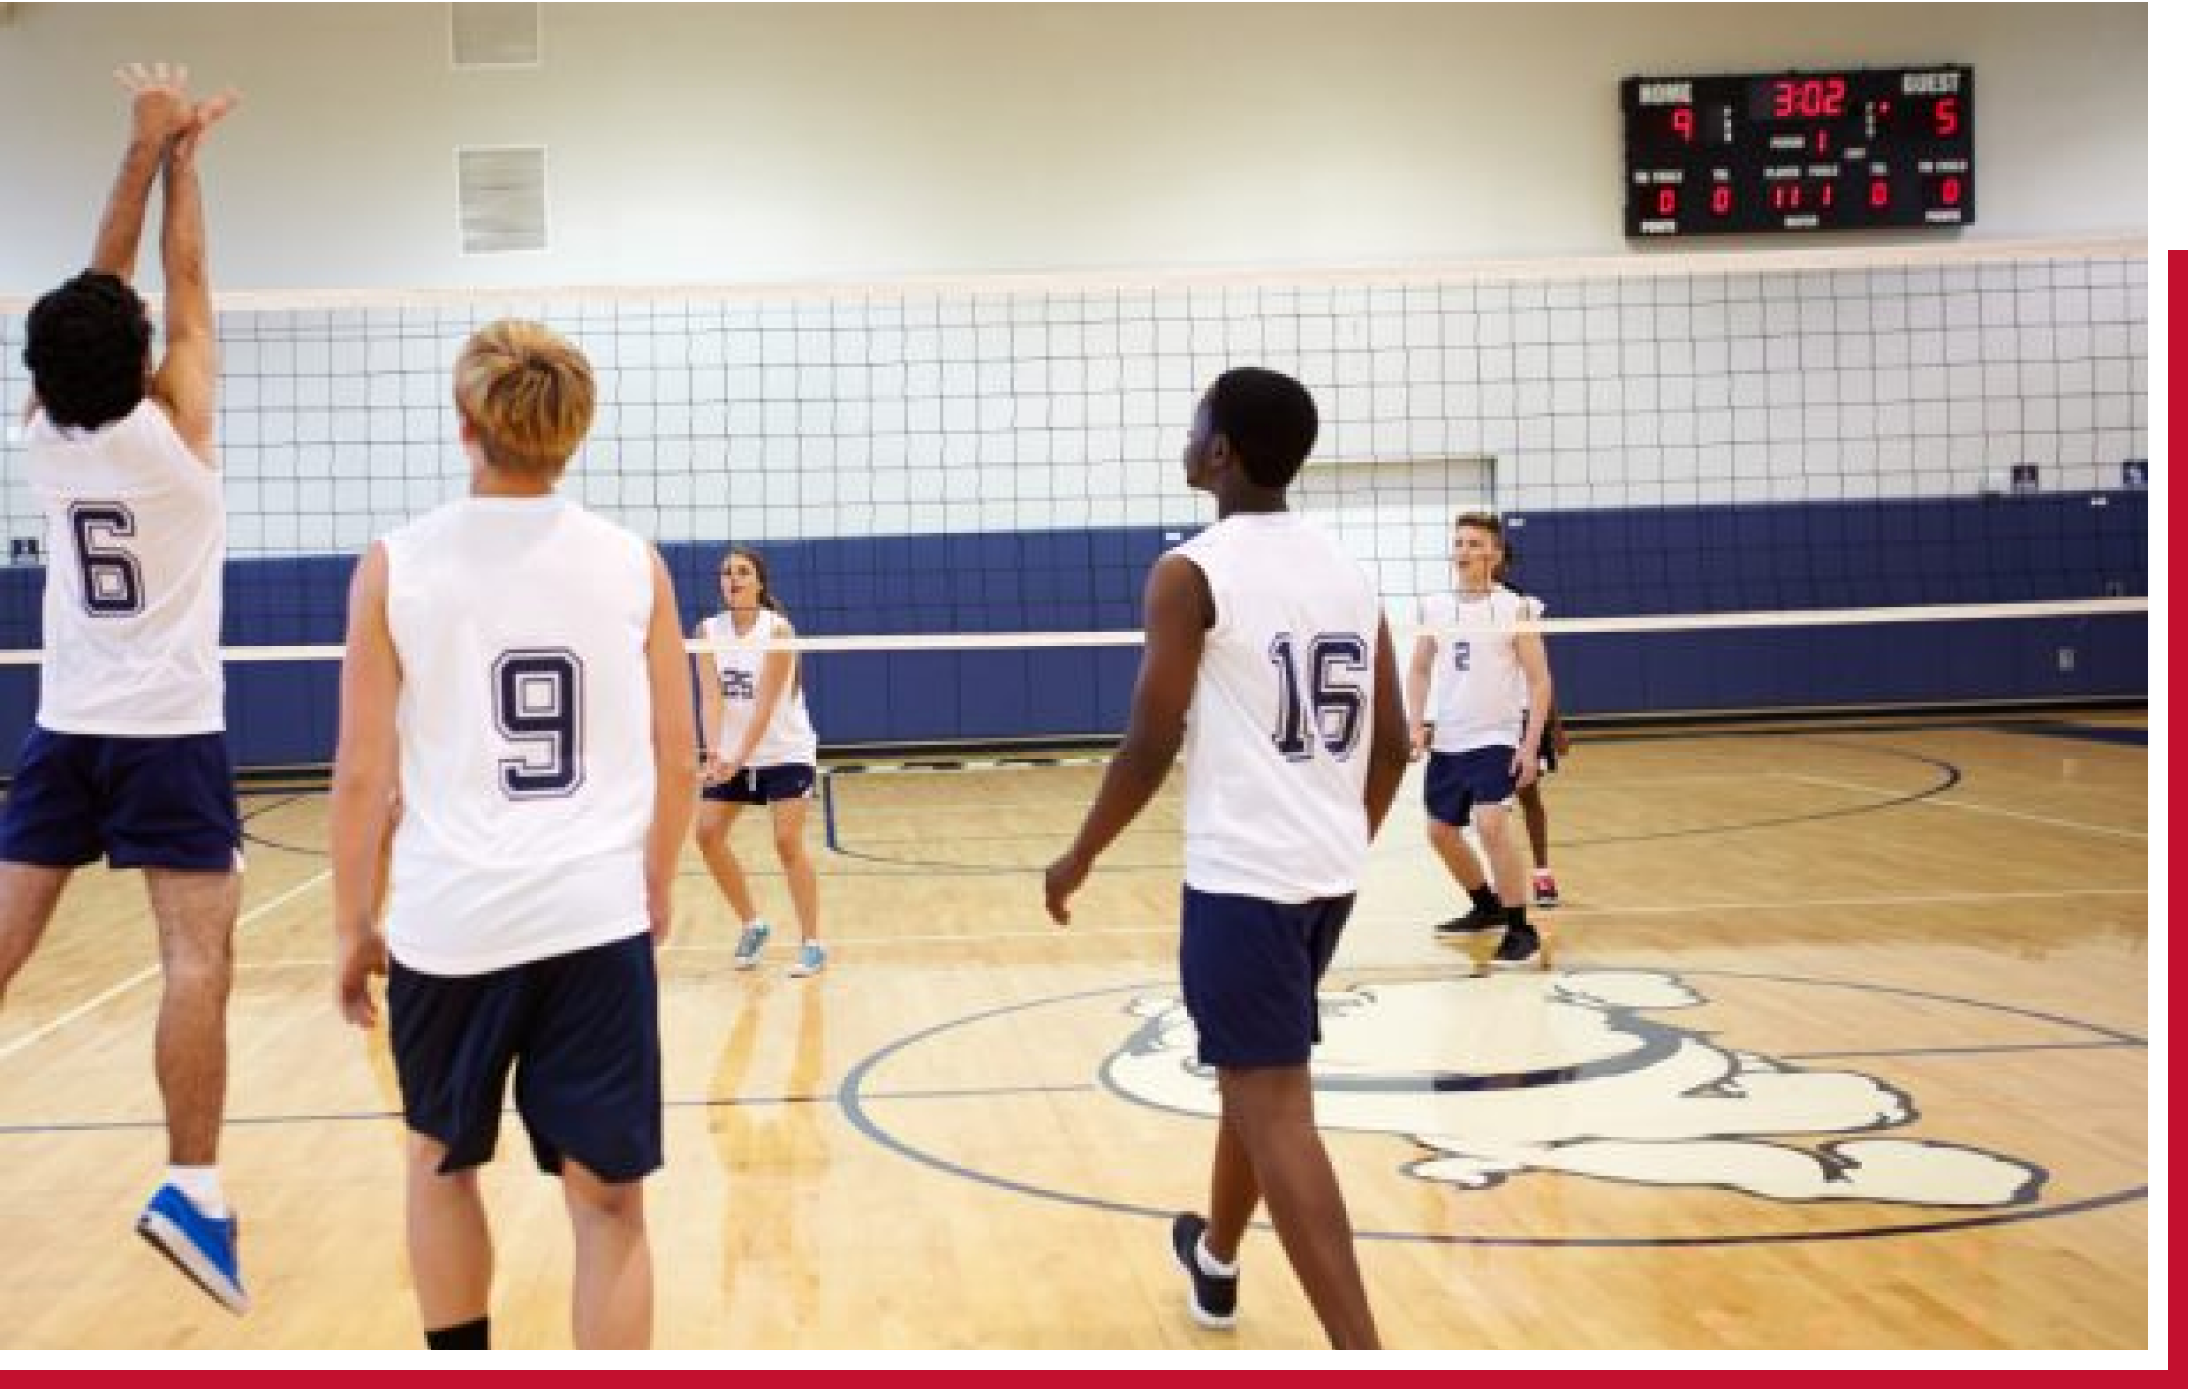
88 342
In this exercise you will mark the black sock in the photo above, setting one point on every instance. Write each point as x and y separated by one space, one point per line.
1515 919
470 1335
1485 897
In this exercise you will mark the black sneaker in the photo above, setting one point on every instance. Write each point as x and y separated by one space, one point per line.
1521 948
1212 1299
1479 919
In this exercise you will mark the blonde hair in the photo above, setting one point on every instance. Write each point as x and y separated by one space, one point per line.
527 393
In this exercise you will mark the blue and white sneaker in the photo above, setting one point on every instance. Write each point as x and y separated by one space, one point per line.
748 946
812 959
202 1247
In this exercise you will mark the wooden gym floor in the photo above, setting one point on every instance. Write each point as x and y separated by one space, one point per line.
1843 1047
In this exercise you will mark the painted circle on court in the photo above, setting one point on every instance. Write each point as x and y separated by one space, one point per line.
857 1095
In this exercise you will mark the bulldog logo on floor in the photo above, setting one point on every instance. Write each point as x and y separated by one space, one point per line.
1565 1073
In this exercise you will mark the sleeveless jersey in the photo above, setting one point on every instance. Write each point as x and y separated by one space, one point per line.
135 537
526 727
789 738
1276 745
1477 693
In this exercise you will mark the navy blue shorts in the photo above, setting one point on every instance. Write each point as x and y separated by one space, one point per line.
792 781
1459 781
583 1033
142 802
1250 969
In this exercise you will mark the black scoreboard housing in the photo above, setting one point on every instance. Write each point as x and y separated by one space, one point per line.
1843 149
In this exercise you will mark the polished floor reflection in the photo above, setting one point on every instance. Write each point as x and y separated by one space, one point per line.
1842 1046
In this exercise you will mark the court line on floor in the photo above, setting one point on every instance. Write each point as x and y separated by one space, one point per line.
834 1095
2113 1040
1991 1049
1952 803
1065 933
1950 776
106 996
1927 899
359 1116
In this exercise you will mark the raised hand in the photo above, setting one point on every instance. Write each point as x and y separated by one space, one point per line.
203 117
159 107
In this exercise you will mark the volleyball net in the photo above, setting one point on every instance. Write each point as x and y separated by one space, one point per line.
1820 479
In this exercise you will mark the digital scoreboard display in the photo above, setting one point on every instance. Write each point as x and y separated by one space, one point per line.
1800 151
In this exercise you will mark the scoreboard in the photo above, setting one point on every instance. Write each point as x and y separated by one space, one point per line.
1800 151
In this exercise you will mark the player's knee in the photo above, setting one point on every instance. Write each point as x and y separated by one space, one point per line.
591 1198
425 1154
1262 1099
199 961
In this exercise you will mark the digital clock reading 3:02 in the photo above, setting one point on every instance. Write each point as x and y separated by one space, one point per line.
1800 151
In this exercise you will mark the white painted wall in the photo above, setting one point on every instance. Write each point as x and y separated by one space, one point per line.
718 145
761 142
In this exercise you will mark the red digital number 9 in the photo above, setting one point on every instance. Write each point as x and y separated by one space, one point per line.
1682 123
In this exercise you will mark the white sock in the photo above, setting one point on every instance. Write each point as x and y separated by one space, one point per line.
202 1186
1210 1264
